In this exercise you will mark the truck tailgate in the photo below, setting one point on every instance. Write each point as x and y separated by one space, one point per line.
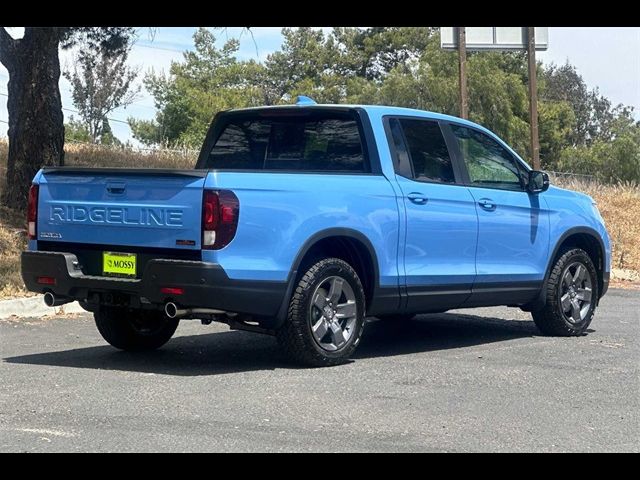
146 208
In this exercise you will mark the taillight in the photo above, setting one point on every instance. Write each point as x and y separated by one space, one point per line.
32 212
220 211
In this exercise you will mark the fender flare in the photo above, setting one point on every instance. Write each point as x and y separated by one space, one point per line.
540 300
306 247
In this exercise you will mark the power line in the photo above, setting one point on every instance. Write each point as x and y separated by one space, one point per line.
75 111
161 48
108 118
133 103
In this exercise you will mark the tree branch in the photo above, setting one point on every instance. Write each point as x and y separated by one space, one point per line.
7 48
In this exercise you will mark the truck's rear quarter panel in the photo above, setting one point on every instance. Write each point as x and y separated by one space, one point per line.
279 212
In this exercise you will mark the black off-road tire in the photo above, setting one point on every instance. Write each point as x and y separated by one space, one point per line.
295 335
134 330
550 319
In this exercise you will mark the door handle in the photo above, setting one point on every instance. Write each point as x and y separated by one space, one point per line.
417 198
487 204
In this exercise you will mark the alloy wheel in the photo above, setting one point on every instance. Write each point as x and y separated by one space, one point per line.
333 313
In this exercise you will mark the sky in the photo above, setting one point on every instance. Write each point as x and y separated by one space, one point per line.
606 57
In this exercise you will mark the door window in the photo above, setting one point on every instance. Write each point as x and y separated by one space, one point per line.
489 164
427 150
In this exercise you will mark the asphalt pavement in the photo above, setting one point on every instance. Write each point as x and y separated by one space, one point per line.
470 380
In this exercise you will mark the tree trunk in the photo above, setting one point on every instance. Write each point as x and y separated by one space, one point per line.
36 123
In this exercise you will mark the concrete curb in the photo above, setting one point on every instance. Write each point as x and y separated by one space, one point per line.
34 307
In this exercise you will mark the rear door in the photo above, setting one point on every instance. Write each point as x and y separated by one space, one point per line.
513 236
119 207
441 219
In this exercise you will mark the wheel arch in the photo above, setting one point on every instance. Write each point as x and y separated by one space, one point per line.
585 238
345 243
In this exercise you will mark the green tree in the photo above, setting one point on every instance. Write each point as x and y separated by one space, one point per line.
303 63
372 53
498 99
610 160
557 122
593 112
107 137
76 131
208 80
101 81
36 125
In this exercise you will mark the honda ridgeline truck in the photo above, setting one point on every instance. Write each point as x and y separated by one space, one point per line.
300 220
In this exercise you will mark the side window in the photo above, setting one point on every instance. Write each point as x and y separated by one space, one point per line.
401 162
428 151
328 144
488 163
309 143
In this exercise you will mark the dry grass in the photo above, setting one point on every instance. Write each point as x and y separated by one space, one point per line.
620 208
619 205
99 156
12 242
86 155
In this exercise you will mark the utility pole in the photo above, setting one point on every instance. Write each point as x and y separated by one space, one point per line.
462 70
533 98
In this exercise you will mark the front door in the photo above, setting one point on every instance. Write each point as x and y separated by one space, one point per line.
513 235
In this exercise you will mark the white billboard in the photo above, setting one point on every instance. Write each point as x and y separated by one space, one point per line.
494 38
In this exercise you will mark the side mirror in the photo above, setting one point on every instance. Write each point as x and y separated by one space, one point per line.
538 181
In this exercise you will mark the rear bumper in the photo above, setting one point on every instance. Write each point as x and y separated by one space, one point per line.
206 285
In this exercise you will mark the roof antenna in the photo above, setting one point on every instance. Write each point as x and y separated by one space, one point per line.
303 100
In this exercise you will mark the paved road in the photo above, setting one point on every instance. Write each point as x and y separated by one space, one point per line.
475 380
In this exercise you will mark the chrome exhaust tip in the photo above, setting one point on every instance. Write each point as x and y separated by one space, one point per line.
171 310
49 299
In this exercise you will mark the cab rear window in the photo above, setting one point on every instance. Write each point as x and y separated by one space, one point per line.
299 143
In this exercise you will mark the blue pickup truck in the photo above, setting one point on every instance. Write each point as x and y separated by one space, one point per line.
300 220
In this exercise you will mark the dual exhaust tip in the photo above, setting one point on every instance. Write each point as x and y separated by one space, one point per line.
171 310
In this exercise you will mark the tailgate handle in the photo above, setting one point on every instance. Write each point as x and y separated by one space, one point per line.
116 188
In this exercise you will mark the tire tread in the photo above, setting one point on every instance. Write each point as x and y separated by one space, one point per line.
549 319
294 336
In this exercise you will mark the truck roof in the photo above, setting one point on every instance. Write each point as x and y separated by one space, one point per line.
377 110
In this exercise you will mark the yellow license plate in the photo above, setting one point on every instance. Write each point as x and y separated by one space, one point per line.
119 264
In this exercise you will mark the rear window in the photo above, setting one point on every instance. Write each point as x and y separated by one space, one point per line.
328 143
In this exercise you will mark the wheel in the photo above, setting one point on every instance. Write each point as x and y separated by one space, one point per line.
402 317
571 296
325 319
134 330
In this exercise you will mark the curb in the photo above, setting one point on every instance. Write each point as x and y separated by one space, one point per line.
34 307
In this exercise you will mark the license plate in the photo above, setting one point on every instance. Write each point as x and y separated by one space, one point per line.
119 264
